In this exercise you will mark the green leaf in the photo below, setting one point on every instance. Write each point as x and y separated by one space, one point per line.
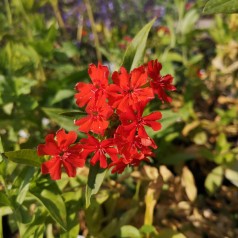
214 179
1 146
221 6
113 228
189 21
24 179
24 156
147 229
37 227
61 95
1 151
129 231
95 179
33 231
135 51
5 210
73 113
168 118
64 122
23 215
72 221
231 173
177 158
4 201
49 195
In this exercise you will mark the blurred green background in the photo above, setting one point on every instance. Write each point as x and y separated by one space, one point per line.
191 187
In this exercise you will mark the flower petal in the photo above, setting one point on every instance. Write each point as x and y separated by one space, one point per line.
52 167
69 168
49 148
154 116
65 140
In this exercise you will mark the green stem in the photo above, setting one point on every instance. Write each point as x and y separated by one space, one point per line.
94 30
58 16
8 11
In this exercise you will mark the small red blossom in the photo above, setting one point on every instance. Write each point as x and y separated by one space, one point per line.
164 30
62 152
100 150
159 83
126 144
133 158
129 88
88 92
134 122
127 38
97 119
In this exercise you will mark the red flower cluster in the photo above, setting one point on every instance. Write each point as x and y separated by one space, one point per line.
115 125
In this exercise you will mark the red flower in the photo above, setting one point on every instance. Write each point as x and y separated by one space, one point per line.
160 83
62 153
134 122
132 157
97 118
128 89
127 141
100 149
99 77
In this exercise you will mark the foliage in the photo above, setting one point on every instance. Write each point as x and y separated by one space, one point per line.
46 47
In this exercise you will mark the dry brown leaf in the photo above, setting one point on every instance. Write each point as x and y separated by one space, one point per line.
189 184
150 172
225 100
165 173
151 197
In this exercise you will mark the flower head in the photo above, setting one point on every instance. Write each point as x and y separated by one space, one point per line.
100 150
97 119
88 92
129 88
159 83
62 152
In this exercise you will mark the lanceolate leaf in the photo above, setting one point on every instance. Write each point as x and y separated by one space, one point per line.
4 201
24 156
50 196
95 179
55 115
214 179
221 6
135 51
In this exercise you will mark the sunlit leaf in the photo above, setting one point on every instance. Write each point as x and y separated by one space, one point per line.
95 180
23 181
50 196
24 156
61 95
4 200
135 51
63 121
214 179
221 6
129 231
189 21
189 184
231 173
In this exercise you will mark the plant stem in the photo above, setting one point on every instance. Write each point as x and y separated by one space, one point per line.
94 30
58 16
8 11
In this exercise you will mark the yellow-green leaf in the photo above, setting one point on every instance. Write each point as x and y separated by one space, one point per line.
135 51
